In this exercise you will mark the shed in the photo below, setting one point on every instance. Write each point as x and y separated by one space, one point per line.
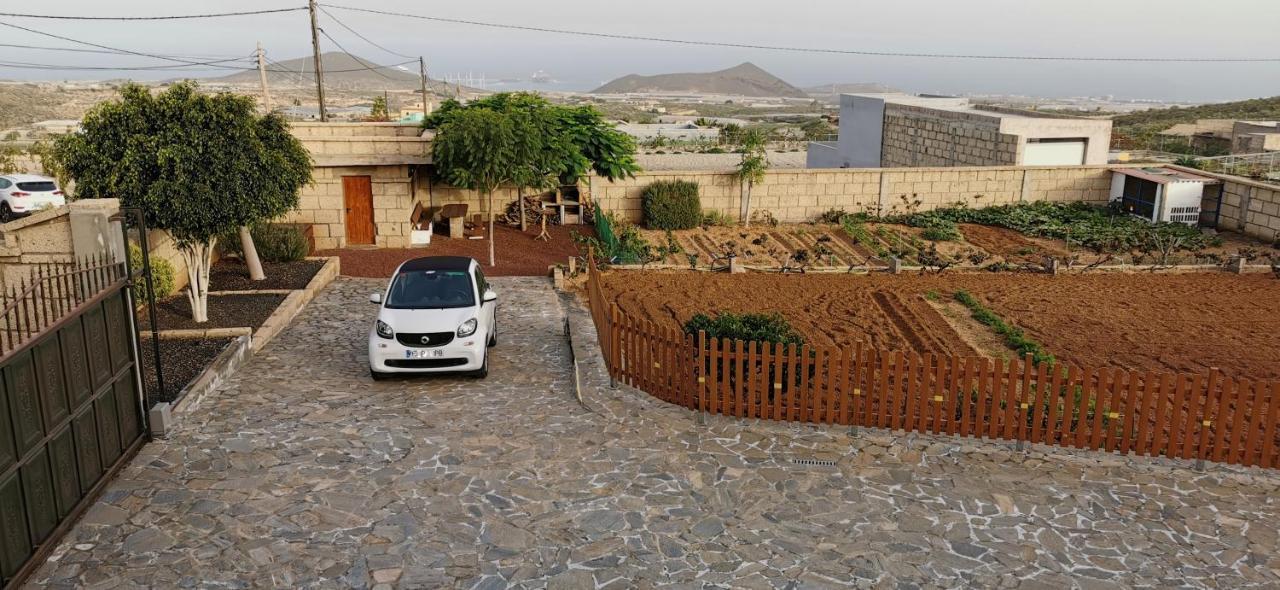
1160 194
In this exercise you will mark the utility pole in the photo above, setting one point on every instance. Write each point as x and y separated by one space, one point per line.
262 77
315 46
422 72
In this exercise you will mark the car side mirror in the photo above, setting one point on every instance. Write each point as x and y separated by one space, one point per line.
376 298
489 295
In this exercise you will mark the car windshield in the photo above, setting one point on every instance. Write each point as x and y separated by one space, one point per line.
431 289
38 187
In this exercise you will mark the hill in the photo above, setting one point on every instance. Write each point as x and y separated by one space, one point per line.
341 70
745 79
1138 130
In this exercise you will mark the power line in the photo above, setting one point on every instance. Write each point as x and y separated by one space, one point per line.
366 39
104 51
57 67
809 49
116 49
138 18
358 60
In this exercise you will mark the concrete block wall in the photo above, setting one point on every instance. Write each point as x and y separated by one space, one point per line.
1248 207
922 137
322 205
801 195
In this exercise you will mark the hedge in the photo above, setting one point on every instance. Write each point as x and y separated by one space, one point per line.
671 204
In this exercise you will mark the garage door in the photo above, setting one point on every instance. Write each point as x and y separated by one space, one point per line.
1054 152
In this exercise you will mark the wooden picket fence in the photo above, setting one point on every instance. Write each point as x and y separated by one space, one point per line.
1208 417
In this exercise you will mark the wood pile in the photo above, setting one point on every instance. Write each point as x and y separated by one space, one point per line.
532 213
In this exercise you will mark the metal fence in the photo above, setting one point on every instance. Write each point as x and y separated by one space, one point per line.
51 292
1208 417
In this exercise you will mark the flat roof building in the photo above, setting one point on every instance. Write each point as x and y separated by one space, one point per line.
903 130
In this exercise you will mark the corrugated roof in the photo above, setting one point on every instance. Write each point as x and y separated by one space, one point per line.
1166 175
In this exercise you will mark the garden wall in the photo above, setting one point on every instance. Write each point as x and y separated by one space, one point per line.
1248 206
801 195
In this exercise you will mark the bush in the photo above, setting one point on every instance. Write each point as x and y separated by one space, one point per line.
161 276
275 242
672 204
715 217
748 327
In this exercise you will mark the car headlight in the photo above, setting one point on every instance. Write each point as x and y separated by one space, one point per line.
384 330
467 328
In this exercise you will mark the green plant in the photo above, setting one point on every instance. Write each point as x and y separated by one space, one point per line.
671 204
198 165
751 168
748 327
857 231
832 215
715 217
276 242
619 242
1014 337
378 112
162 277
933 295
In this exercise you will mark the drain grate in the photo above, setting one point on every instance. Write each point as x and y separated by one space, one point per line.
814 462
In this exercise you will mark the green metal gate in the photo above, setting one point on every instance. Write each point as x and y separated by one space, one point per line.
70 405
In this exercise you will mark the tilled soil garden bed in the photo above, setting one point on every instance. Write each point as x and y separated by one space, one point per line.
183 360
1161 322
225 311
233 275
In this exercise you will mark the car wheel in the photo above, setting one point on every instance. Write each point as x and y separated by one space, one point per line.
6 213
379 375
493 335
483 371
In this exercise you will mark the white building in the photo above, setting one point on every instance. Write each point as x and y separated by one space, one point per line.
902 130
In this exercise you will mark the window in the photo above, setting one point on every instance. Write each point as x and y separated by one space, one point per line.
1139 197
431 289
5 183
38 187
481 284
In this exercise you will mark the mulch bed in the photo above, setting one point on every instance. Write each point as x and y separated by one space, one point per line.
181 360
518 253
233 275
225 311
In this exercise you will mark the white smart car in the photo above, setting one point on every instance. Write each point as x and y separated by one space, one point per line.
22 194
437 315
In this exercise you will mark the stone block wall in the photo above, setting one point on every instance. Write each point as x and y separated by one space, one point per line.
321 204
1248 207
801 195
924 137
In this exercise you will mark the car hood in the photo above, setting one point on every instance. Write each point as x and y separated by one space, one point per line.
418 321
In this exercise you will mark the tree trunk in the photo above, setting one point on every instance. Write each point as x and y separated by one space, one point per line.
745 214
520 198
251 255
198 258
492 262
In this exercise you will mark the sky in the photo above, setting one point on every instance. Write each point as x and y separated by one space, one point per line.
1089 28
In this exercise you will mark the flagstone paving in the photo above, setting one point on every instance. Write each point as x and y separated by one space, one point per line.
302 472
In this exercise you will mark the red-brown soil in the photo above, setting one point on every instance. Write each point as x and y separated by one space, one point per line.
1161 322
517 253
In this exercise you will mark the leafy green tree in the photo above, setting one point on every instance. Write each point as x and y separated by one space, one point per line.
198 166
751 169
379 110
552 144
475 149
9 160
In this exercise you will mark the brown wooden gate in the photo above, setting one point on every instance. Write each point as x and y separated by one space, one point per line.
357 194
70 406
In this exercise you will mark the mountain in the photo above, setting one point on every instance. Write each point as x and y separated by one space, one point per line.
341 70
1261 109
742 80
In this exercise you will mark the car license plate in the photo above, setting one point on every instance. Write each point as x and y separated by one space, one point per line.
429 353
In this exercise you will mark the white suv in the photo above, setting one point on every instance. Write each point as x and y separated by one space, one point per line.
22 194
437 315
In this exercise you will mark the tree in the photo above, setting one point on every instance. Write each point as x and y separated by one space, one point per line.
751 169
475 149
379 110
552 144
198 166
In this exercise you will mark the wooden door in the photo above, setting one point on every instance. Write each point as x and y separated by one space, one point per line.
357 193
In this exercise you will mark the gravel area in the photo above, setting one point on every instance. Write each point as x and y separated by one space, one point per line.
233 275
518 253
181 361
225 311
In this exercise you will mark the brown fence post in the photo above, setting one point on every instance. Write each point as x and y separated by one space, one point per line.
702 372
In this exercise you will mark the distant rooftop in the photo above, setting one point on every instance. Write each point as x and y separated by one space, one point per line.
958 105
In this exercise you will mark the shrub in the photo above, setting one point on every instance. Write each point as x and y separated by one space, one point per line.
672 204
715 217
748 327
619 242
162 273
275 242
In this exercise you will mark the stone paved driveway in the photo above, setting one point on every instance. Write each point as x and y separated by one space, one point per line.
304 473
